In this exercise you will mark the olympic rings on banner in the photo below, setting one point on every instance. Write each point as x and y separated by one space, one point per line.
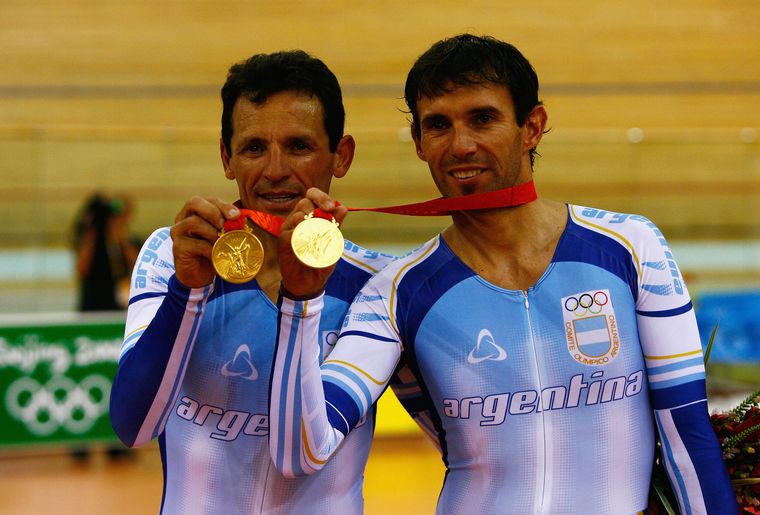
59 403
587 304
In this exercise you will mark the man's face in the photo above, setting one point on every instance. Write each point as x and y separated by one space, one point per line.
279 149
471 141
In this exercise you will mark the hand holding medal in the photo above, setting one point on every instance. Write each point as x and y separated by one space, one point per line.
311 244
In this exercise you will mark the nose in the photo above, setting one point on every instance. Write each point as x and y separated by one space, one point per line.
276 168
463 143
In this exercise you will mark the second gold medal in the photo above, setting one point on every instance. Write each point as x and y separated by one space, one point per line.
317 242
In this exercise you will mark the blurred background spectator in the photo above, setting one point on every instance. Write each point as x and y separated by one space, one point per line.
105 252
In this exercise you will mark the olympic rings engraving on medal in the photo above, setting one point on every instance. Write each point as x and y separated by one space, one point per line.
586 303
60 403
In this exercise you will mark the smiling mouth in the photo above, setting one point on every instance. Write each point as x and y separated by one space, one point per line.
280 198
466 174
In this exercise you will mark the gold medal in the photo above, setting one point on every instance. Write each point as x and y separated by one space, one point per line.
317 242
237 255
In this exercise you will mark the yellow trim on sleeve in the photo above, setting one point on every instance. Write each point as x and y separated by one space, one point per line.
361 264
351 365
141 328
307 448
671 356
397 278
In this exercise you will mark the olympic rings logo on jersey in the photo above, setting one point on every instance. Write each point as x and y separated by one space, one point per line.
59 403
591 327
587 303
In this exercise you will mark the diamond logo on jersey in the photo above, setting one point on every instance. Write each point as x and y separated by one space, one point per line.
241 365
590 327
486 349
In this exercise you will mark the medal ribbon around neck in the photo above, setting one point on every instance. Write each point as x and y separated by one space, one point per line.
318 243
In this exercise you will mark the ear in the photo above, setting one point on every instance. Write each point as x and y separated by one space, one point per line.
344 156
225 160
417 143
534 127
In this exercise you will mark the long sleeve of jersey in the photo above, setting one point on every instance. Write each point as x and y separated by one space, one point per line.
162 322
675 369
313 407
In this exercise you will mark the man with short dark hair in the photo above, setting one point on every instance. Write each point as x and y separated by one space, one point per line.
195 365
540 343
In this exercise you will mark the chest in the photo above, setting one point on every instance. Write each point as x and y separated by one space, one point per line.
233 353
577 326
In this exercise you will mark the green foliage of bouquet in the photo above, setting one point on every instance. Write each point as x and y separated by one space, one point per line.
738 432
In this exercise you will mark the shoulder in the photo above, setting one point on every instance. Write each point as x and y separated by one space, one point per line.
412 259
634 232
155 263
429 267
656 268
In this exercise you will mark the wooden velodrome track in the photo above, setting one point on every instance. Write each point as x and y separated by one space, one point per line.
124 96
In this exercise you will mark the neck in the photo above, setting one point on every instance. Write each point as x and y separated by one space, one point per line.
500 227
510 247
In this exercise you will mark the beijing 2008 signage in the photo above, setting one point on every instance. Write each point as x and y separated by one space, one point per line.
55 378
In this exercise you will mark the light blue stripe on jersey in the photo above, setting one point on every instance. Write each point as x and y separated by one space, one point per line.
675 366
668 455
182 365
353 378
297 415
660 385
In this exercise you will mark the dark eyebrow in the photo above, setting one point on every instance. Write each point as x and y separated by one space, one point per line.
485 110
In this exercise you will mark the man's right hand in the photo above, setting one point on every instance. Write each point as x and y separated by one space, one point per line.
196 228
298 279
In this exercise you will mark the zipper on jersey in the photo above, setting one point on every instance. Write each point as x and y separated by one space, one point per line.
541 468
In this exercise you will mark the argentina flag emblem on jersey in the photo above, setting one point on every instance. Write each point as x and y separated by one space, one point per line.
590 327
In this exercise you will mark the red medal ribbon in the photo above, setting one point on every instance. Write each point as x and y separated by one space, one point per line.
506 197
269 223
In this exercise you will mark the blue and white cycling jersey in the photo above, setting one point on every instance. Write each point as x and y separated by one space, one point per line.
541 401
194 372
